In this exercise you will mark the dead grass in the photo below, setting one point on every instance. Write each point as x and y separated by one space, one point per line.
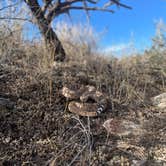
39 129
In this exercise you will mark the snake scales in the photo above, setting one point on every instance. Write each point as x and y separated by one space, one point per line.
85 101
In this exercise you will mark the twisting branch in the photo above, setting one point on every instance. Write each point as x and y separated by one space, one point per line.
63 7
117 2
59 8
52 9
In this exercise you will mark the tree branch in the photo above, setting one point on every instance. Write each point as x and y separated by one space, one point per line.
121 4
93 2
66 10
63 7
88 8
15 18
6 7
58 7
46 5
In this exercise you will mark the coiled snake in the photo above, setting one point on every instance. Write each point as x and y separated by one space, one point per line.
86 101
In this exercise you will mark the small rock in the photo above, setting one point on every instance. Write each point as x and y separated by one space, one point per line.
122 127
160 101
7 140
162 105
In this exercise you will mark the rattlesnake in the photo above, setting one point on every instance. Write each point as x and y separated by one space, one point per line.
85 101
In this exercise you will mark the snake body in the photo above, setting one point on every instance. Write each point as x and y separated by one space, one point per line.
80 101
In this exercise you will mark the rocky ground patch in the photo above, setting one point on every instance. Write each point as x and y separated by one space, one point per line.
37 129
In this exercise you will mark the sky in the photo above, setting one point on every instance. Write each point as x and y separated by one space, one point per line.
125 28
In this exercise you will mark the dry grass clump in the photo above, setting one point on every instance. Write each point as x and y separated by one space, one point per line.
131 81
40 130
78 40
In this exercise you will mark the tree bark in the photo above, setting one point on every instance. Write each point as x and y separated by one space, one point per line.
53 43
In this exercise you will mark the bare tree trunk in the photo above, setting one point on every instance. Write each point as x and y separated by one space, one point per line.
53 43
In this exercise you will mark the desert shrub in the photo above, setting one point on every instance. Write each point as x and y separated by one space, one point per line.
156 56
